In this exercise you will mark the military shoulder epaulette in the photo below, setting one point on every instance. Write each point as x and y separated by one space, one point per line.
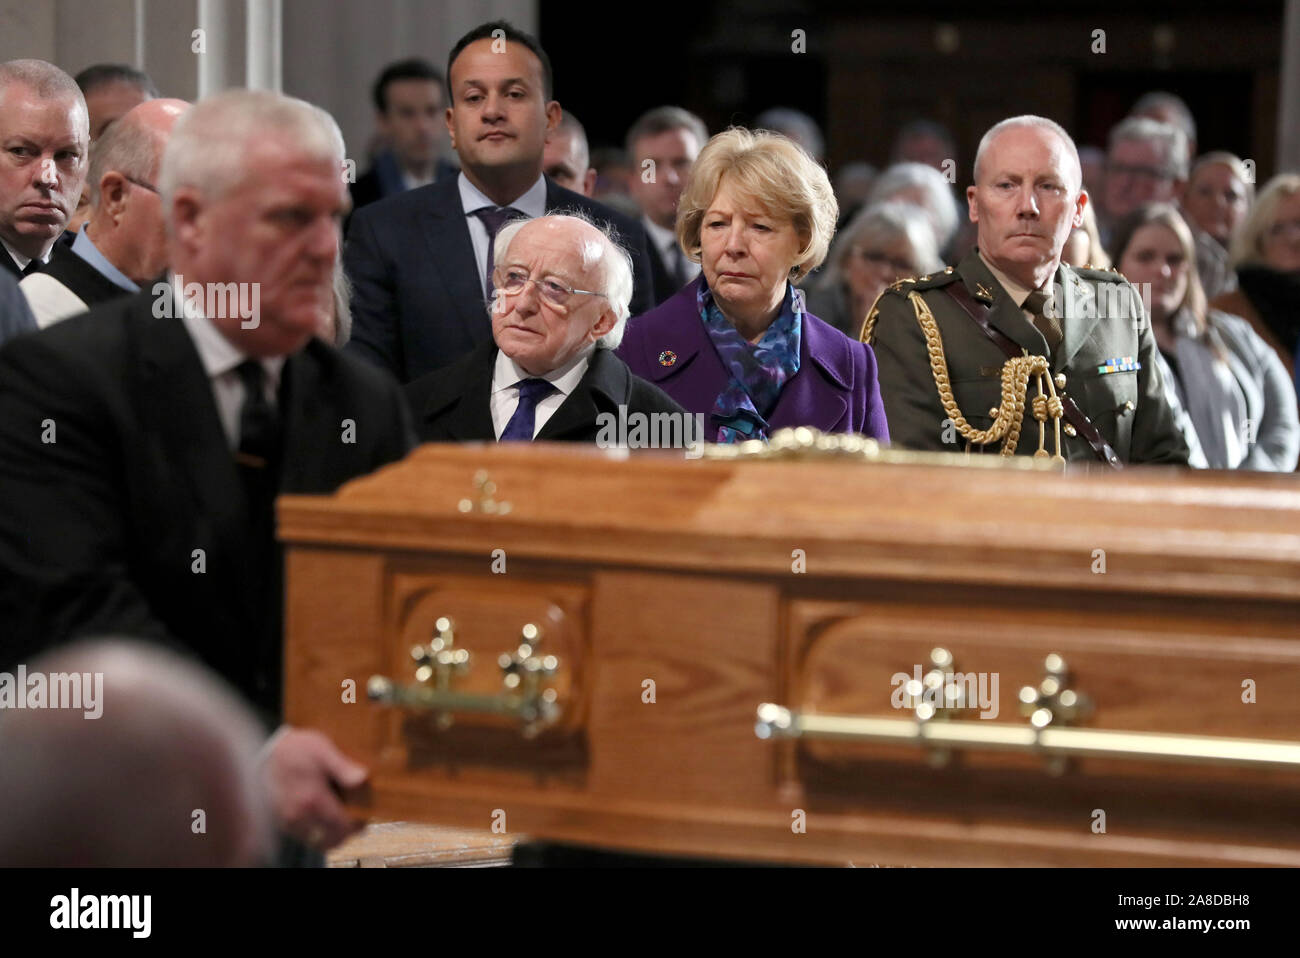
1108 274
903 285
929 281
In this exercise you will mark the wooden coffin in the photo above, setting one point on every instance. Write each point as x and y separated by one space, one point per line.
678 596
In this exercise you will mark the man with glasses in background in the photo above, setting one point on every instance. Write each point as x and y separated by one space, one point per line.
561 294
1146 162
123 246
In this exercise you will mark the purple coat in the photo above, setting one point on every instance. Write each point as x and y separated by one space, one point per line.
835 389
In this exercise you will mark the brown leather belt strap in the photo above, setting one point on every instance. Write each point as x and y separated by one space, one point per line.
1083 425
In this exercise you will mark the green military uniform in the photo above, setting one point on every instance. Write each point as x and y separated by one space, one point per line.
1104 362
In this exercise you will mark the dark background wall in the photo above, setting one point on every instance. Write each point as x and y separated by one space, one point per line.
871 67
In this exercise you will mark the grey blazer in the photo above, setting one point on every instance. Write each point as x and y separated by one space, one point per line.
1239 400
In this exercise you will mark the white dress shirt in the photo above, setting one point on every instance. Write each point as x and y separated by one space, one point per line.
22 260
220 358
506 375
532 204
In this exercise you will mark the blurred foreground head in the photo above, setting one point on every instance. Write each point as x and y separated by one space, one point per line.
165 776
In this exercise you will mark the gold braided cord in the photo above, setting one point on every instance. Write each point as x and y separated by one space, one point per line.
869 324
1015 384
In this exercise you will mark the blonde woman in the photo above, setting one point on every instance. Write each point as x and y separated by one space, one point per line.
737 345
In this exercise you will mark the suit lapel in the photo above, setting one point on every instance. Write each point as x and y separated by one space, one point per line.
452 257
306 421
802 402
604 384
1004 314
177 395
174 398
7 262
461 401
679 357
1080 311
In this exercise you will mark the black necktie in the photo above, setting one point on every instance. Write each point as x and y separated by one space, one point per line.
493 220
33 267
259 425
258 463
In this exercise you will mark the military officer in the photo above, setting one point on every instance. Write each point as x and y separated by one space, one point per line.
1013 351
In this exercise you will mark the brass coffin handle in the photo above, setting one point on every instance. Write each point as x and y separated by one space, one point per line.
1047 705
524 697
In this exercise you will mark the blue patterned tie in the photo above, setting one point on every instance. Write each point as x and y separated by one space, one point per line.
493 220
523 423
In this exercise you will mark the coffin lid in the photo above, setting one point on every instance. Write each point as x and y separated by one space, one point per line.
916 517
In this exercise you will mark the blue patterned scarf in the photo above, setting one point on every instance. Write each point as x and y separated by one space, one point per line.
758 371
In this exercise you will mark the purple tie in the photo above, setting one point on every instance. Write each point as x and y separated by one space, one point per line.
523 422
493 220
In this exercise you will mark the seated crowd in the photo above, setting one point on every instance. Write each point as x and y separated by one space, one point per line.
193 299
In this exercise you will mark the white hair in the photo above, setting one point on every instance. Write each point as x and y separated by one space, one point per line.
1170 139
1035 122
616 274
881 224
940 202
342 305
211 144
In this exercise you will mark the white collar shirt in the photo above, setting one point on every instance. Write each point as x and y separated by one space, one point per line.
220 358
532 204
507 373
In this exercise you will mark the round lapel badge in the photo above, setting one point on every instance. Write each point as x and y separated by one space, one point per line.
667 357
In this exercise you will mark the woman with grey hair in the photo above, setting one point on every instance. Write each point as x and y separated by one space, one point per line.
923 186
881 244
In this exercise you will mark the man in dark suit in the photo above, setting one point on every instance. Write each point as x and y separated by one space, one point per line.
46 134
663 144
142 444
420 263
15 317
124 245
408 111
549 372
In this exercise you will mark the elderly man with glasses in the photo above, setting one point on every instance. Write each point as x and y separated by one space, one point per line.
560 303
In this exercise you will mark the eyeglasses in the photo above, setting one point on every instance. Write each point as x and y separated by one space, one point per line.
882 260
511 281
148 186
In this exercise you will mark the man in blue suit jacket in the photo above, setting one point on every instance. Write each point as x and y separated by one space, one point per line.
420 262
